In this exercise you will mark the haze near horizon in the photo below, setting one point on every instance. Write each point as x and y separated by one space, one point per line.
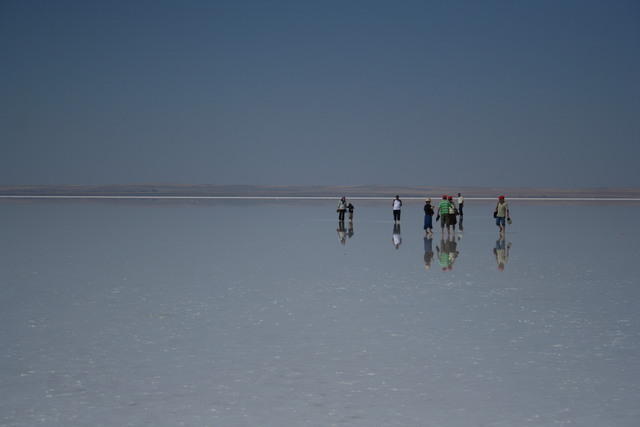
332 93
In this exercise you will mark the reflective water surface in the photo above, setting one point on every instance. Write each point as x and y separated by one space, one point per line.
274 313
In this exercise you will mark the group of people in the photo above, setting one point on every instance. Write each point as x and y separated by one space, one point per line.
343 207
449 212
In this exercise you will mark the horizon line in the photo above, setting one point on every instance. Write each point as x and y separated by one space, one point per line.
44 196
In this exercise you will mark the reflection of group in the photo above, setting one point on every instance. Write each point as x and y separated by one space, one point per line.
447 252
450 213
344 233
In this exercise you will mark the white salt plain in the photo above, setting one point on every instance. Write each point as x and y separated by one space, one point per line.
253 313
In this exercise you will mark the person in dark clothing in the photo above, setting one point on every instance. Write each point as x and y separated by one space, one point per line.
350 208
428 217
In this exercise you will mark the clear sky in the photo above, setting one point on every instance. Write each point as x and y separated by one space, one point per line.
495 93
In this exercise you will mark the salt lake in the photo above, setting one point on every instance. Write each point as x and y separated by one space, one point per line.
270 313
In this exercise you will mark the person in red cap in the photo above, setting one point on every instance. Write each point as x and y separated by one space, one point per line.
500 213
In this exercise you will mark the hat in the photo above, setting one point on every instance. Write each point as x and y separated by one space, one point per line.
500 197
428 199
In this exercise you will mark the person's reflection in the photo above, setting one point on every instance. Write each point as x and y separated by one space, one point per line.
447 252
350 230
396 238
501 251
428 252
342 233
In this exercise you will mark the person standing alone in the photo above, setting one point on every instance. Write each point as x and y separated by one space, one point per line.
460 205
500 213
397 206
428 217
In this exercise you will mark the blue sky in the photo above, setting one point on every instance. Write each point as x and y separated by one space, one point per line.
496 93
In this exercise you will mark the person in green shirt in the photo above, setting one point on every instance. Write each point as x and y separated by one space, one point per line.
443 213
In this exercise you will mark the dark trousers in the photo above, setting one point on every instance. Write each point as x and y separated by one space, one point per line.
396 215
460 206
341 215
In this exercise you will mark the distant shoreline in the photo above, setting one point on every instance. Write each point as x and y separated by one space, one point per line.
360 192
89 197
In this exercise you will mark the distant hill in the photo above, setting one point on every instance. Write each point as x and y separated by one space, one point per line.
302 191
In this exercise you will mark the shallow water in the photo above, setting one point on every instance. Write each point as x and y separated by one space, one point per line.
269 314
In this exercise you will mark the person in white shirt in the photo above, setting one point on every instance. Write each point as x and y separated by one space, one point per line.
396 237
342 207
460 204
397 205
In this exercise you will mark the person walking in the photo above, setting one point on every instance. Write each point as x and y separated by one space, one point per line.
500 213
460 206
342 207
397 205
443 213
428 217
